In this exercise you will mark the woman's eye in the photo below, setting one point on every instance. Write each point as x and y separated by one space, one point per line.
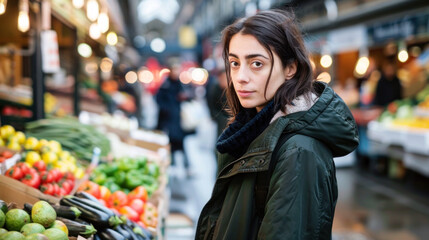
257 64
233 64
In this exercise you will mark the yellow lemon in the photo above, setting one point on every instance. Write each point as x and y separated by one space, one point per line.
14 145
31 143
32 157
55 146
2 143
20 136
42 145
79 173
6 131
49 157
64 155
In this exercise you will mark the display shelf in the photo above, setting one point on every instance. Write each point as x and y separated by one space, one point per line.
409 144
5 102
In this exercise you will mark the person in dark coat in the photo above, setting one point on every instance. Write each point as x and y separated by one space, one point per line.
216 101
284 122
389 86
169 97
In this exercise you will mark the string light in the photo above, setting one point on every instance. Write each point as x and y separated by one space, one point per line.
3 4
92 10
23 18
78 3
103 22
112 38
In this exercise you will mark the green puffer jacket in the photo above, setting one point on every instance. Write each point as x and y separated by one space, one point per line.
303 188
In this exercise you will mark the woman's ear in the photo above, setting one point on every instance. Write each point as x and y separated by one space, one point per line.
290 70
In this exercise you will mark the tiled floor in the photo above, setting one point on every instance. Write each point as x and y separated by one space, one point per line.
367 208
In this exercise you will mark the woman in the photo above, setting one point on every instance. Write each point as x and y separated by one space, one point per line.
280 117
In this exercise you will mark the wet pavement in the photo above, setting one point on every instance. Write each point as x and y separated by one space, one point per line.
368 207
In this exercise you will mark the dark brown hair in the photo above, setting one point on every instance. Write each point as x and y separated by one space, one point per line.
278 32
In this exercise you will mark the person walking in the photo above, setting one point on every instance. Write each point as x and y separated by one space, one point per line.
276 174
169 98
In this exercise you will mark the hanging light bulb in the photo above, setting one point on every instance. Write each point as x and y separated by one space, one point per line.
112 38
326 61
78 3
92 10
103 22
23 18
3 4
94 31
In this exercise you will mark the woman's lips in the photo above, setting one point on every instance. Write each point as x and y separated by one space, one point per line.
243 93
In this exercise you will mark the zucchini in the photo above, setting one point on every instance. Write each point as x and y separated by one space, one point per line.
62 211
76 228
123 232
96 205
110 234
86 195
93 216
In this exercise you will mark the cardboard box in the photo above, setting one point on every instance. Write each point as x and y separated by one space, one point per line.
12 190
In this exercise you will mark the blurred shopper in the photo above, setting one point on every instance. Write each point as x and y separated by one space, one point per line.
169 97
276 174
389 86
216 100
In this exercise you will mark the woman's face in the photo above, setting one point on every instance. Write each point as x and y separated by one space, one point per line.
250 65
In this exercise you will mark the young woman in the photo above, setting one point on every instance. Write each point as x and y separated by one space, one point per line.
285 126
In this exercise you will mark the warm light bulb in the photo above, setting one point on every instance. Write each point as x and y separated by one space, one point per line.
92 10
131 77
103 22
23 17
3 4
112 38
23 21
326 61
94 31
403 56
362 65
78 3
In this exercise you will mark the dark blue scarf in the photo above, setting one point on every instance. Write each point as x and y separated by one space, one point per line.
247 126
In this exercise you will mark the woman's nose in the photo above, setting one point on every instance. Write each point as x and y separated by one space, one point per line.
242 74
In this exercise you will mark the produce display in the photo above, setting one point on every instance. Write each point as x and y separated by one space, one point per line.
119 199
409 113
74 136
127 173
40 222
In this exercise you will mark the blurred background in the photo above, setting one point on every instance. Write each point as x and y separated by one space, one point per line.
151 72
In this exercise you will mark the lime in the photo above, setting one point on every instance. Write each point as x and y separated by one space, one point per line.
16 218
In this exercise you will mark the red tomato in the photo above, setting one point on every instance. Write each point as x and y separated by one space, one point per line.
69 175
56 191
67 187
40 166
32 178
56 174
118 199
2 159
46 177
129 213
105 193
47 188
137 205
24 167
91 188
149 219
7 154
139 192
15 173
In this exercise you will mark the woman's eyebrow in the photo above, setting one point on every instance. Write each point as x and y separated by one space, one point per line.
249 56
